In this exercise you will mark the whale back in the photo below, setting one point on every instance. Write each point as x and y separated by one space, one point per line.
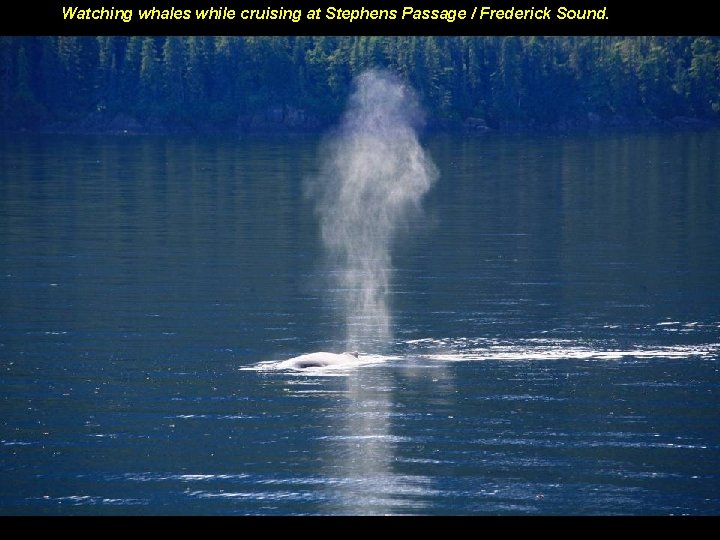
318 359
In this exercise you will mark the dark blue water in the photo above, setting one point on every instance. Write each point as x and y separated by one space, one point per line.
556 318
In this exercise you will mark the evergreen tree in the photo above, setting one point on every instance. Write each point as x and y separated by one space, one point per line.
215 81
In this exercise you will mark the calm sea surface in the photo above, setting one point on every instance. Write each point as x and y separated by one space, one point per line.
556 318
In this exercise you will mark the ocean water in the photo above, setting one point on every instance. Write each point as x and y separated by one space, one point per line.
555 319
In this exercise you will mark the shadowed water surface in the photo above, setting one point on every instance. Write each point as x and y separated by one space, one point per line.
555 318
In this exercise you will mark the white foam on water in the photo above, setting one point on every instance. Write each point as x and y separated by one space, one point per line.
527 350
464 349
519 352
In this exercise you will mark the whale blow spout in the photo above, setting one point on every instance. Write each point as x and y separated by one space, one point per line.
319 359
374 174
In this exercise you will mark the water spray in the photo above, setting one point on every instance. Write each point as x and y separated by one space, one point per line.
373 177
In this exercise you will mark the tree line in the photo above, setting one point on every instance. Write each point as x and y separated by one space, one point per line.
257 82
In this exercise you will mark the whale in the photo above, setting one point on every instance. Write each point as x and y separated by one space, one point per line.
318 359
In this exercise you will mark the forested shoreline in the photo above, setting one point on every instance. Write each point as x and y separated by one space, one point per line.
255 83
